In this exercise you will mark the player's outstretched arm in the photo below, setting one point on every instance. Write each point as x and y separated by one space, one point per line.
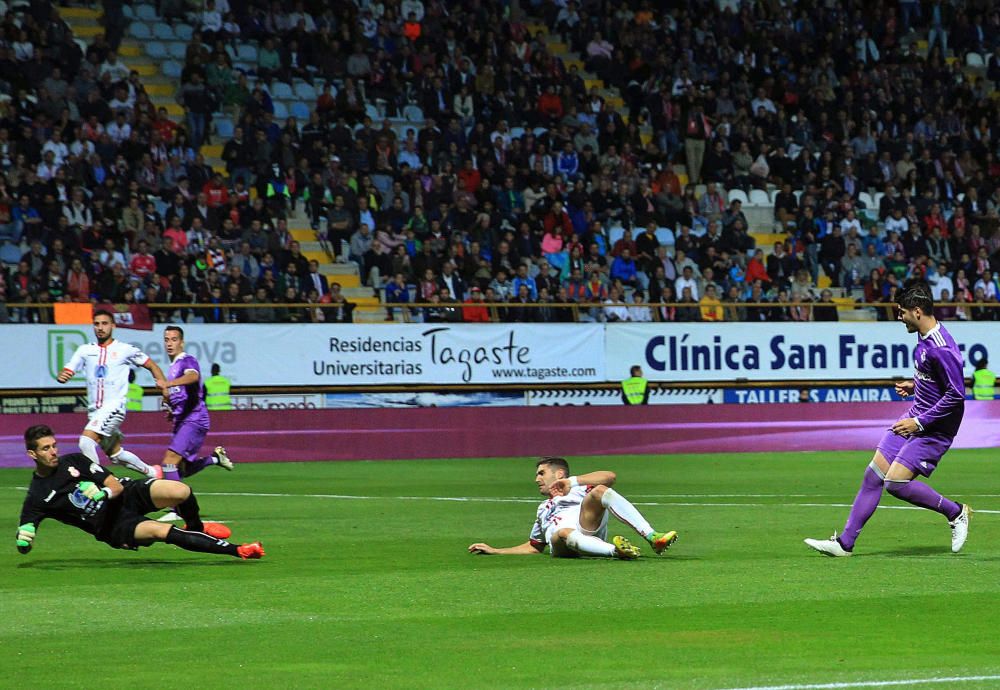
562 487
528 548
157 373
189 377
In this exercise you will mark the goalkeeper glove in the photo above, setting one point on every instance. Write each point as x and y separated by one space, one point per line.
93 491
25 536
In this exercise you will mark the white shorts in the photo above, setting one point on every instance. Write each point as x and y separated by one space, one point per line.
105 422
571 518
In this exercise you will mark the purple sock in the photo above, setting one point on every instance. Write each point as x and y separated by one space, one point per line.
864 505
192 467
170 472
923 495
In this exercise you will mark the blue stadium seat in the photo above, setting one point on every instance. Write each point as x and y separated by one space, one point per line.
10 253
517 132
615 233
665 236
146 13
247 53
224 127
177 50
164 32
183 32
140 31
305 91
280 111
172 69
156 50
540 131
413 113
161 206
128 12
280 89
300 111
372 112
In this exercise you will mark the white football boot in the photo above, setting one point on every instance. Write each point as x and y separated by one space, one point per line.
828 547
960 529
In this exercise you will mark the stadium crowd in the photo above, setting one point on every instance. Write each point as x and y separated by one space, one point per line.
519 184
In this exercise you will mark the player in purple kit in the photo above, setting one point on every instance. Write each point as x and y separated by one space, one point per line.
915 443
184 395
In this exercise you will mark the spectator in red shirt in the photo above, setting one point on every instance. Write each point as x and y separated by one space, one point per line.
557 219
477 314
756 270
165 126
550 106
469 177
215 192
625 242
142 262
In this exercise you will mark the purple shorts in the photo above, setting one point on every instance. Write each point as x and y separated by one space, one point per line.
918 453
187 440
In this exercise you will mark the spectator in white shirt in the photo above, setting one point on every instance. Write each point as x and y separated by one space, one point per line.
687 280
113 66
639 311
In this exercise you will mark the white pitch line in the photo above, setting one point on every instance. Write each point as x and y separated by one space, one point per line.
872 683
489 499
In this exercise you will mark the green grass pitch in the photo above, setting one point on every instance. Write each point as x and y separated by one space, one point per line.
378 591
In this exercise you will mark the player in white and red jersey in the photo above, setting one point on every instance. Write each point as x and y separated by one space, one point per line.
574 519
107 364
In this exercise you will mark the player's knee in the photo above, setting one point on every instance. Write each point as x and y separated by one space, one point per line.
896 486
563 534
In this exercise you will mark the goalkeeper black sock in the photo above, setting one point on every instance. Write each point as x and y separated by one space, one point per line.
188 509
199 541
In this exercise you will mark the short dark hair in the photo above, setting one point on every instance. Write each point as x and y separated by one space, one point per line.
34 433
180 331
917 294
553 461
216 369
104 312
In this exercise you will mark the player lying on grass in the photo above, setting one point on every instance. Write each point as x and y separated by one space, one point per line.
574 520
76 491
917 441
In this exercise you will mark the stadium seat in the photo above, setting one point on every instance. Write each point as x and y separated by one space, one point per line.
156 50
183 32
372 112
247 53
413 113
172 69
974 60
10 253
305 91
300 111
615 233
280 111
735 194
866 199
540 131
128 12
877 201
665 236
224 128
517 132
758 197
146 13
774 195
163 32
140 31
161 206
281 90
177 50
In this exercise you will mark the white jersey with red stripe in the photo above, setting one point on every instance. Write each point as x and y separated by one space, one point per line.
556 513
107 368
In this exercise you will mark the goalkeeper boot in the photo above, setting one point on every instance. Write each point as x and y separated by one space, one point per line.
661 541
221 459
624 549
215 529
960 529
828 547
250 551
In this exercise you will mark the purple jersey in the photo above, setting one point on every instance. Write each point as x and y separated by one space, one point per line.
939 384
187 402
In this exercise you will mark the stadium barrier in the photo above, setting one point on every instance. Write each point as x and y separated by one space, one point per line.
321 356
312 435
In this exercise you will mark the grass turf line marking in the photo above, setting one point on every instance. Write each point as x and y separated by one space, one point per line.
488 499
872 683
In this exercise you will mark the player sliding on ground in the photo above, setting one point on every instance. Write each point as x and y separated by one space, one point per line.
77 491
574 520
918 439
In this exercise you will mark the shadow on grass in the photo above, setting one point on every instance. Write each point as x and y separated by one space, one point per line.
90 563
913 551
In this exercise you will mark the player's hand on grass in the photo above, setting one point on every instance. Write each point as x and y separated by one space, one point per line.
904 388
25 537
93 491
905 427
482 548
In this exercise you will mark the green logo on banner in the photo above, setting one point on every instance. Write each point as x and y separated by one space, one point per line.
62 344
